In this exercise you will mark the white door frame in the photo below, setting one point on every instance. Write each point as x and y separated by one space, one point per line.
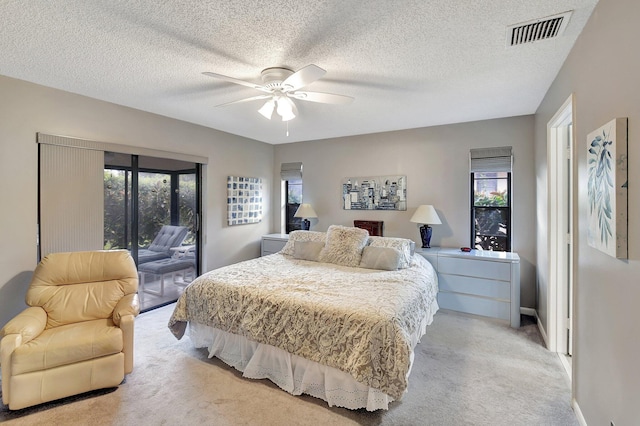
560 209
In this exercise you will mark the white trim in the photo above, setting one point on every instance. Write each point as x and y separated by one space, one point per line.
529 312
578 412
564 360
543 333
555 300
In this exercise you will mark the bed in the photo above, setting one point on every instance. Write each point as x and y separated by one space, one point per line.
334 315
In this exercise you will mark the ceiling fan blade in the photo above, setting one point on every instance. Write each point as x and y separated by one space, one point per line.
325 98
253 98
302 77
237 81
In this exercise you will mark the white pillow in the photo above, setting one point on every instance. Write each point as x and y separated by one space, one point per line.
344 245
307 250
402 244
384 258
294 236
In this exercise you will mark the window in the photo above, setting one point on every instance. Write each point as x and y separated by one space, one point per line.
491 199
294 199
291 175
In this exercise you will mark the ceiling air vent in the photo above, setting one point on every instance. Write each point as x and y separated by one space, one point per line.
538 29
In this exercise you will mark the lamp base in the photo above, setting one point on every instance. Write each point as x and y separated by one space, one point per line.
306 224
425 234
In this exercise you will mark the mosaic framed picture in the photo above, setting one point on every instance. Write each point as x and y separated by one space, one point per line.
374 193
607 188
244 200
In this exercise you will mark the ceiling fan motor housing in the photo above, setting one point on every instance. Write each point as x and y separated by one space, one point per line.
273 77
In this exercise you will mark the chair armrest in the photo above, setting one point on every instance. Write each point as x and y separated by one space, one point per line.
8 344
28 324
128 305
22 328
127 327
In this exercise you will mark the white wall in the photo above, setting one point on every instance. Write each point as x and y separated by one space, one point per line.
436 163
602 71
27 108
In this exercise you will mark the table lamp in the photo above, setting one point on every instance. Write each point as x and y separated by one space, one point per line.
426 215
305 211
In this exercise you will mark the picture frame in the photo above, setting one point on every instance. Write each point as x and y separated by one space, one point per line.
607 188
374 193
244 200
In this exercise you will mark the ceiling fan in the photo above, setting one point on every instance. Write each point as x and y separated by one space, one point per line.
281 86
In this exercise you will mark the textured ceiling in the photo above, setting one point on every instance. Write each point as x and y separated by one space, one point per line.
407 63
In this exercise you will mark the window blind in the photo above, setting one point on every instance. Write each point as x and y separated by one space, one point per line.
71 199
291 171
497 159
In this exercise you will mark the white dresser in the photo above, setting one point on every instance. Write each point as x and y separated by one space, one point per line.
479 282
273 243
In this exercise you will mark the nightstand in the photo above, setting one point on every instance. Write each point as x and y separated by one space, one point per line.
478 282
273 243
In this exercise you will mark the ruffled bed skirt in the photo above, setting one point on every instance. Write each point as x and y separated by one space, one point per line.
293 373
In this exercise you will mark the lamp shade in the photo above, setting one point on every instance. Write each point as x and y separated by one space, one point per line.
426 214
306 211
285 108
267 109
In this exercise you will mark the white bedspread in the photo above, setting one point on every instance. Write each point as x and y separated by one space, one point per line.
361 321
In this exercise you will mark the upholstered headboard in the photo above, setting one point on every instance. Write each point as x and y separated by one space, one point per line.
375 227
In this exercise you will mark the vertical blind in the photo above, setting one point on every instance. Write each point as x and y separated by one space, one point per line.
497 159
71 199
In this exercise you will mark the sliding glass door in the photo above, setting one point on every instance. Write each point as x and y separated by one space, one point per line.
152 209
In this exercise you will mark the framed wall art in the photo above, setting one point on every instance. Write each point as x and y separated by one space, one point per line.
607 188
374 193
244 200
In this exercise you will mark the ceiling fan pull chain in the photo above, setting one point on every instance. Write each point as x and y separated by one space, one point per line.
287 127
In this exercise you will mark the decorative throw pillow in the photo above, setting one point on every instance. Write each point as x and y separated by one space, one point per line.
384 258
294 236
402 244
344 245
307 250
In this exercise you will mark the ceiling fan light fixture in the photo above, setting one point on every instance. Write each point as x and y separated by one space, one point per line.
267 109
285 109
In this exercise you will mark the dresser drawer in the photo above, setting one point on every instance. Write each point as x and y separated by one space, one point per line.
475 305
475 286
475 268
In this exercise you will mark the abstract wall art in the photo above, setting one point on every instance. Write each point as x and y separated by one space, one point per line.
374 193
244 200
607 188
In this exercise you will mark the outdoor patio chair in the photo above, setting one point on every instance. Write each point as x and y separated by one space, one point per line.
160 248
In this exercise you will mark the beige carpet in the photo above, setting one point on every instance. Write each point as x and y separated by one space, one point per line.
467 371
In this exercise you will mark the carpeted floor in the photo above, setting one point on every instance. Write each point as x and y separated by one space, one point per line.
467 371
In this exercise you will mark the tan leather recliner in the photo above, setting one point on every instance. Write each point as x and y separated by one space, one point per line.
77 333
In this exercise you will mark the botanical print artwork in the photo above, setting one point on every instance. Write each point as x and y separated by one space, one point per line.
244 200
607 188
374 193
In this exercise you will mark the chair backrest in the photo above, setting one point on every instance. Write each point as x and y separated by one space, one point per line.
168 236
81 286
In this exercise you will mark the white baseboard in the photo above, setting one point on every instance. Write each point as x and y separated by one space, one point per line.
529 312
542 331
579 416
533 313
